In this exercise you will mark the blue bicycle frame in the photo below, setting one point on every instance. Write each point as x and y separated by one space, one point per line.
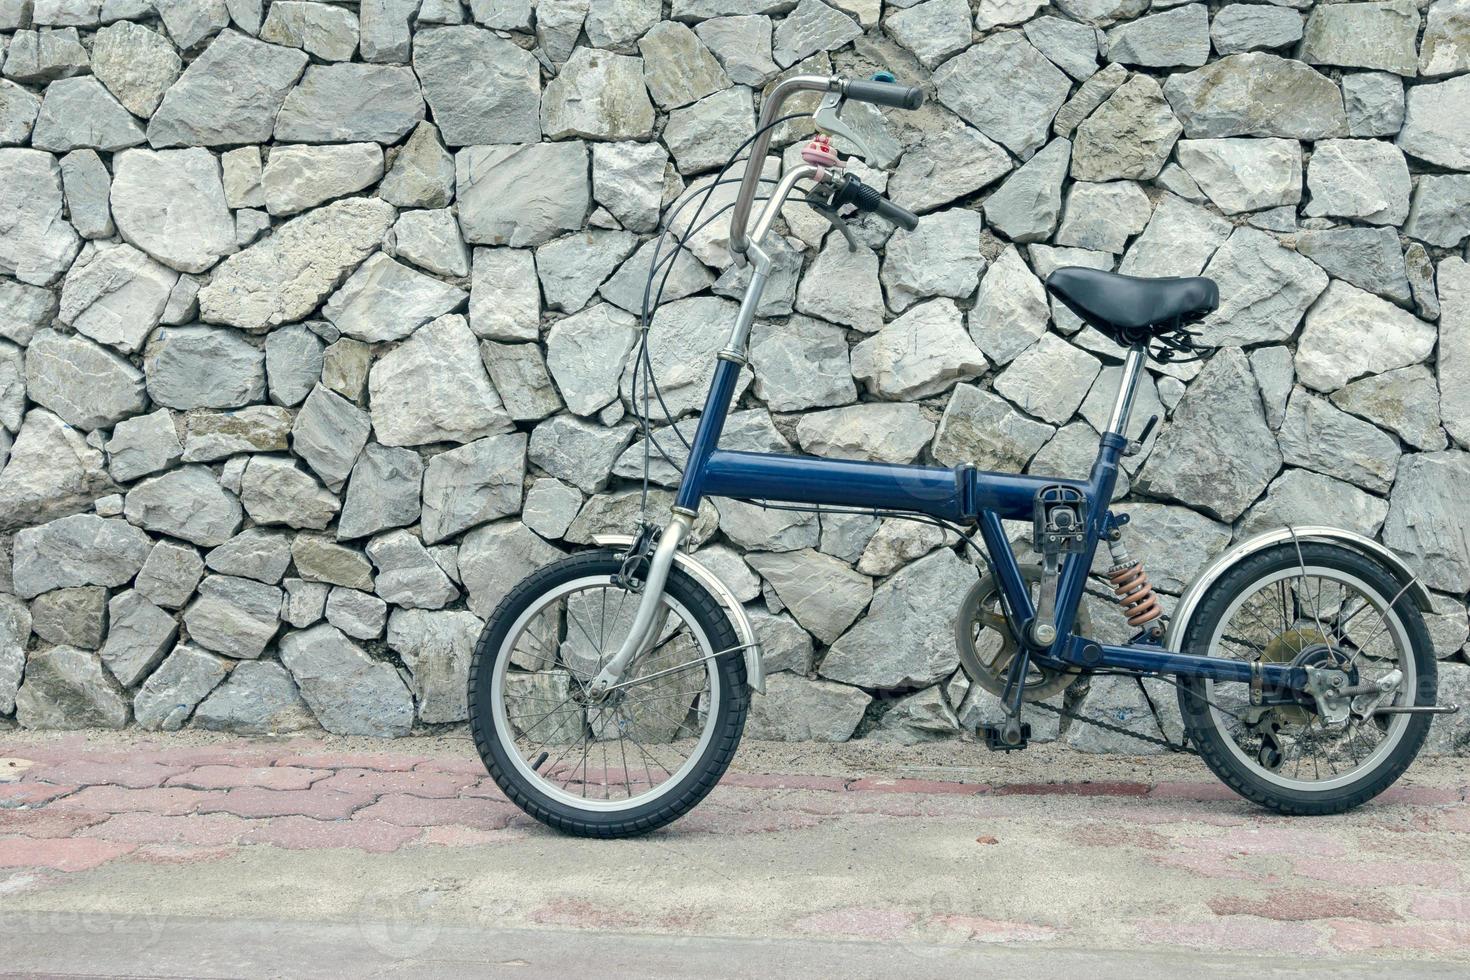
962 495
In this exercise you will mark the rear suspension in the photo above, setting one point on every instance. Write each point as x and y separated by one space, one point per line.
1134 592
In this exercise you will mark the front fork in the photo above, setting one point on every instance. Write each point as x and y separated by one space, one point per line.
648 622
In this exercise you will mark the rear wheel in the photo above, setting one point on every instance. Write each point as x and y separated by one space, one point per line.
625 762
1323 606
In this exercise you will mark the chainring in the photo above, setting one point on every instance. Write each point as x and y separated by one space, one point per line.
987 647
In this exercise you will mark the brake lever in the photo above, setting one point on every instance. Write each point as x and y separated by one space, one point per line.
828 119
836 221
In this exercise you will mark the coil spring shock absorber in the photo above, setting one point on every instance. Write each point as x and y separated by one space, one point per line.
1133 590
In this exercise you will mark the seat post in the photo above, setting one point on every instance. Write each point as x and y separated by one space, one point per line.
1127 389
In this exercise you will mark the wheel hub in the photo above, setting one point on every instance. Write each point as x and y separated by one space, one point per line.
1300 648
1292 644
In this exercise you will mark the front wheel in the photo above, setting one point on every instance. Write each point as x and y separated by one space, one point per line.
625 762
1320 605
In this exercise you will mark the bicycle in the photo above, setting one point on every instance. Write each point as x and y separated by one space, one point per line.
609 690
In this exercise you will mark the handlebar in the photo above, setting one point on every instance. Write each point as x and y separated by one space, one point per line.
877 93
884 93
896 215
740 215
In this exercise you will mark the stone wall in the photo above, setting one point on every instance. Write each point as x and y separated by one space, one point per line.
317 321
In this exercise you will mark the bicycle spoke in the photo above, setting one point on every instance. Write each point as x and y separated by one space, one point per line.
548 656
545 741
602 628
558 723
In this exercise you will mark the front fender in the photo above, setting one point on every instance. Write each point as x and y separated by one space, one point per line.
755 667
1190 599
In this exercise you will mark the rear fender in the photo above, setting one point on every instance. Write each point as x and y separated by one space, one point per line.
1189 601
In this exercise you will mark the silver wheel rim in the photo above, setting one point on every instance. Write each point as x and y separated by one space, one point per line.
624 761
1386 624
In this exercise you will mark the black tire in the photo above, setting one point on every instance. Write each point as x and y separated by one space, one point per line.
714 759
1211 742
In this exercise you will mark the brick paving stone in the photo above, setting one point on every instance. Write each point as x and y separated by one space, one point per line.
1276 838
88 772
486 789
251 801
1100 788
1445 906
29 794
45 822
304 833
383 761
459 767
1366 874
415 811
60 854
869 923
201 829
413 782
1239 933
62 749
1305 905
1349 936
977 929
916 786
1451 818
834 784
1192 791
119 799
1224 867
578 913
262 777
1423 795
246 755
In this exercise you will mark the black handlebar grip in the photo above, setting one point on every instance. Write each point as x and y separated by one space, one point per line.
895 215
851 190
886 93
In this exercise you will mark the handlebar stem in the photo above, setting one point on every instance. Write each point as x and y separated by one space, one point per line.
740 214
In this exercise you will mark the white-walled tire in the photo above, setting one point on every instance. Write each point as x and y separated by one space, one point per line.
620 765
1367 618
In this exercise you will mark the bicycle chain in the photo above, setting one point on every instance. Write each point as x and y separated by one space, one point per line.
1116 729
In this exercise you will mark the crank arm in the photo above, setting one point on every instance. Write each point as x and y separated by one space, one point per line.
1043 627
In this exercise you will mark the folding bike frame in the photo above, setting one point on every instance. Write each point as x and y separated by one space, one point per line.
960 495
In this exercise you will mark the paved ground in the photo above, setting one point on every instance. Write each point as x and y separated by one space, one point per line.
204 856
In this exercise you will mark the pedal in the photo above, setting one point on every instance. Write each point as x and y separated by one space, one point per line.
995 738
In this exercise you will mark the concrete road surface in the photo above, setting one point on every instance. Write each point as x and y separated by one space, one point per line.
203 856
